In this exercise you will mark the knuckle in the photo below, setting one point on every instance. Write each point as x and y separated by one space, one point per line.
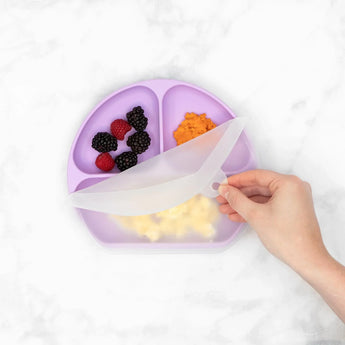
297 185
295 180
307 185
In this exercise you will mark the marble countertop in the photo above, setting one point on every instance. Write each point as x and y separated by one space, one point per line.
281 63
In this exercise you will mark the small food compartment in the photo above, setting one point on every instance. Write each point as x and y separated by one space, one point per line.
114 108
196 222
195 219
182 99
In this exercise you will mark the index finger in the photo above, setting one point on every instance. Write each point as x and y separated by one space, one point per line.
259 177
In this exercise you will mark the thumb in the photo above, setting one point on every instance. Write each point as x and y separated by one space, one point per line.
238 201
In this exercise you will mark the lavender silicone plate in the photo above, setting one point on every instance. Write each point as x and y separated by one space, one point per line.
165 103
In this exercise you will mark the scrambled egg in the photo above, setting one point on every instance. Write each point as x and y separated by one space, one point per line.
197 215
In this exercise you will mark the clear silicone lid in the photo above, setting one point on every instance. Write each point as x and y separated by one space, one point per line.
167 179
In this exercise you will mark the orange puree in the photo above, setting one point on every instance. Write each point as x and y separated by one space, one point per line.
192 126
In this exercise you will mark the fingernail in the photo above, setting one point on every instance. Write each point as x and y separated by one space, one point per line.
223 190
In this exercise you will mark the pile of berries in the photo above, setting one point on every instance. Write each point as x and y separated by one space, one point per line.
138 142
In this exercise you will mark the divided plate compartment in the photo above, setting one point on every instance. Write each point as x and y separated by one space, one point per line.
165 103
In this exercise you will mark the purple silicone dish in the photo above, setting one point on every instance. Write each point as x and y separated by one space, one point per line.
165 103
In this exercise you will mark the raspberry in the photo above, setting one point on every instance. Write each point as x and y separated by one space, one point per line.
105 162
137 119
119 128
139 142
104 142
126 160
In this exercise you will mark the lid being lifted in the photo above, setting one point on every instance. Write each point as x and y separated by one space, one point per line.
167 179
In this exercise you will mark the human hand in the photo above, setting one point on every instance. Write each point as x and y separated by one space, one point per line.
280 209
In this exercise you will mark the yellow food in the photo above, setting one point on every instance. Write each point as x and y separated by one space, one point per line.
197 215
192 126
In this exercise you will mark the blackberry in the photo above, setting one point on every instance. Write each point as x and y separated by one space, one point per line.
137 119
104 142
126 160
139 142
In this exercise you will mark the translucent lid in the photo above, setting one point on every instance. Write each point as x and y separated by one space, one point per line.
167 179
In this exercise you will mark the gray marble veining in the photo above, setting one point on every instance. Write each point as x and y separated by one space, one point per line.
280 63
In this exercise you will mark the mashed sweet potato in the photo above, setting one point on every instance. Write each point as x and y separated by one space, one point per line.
192 126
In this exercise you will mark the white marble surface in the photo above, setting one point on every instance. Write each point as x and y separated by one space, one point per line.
280 62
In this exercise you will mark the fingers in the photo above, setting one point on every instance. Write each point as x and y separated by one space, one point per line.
236 218
256 190
238 201
221 199
263 178
260 199
248 191
227 209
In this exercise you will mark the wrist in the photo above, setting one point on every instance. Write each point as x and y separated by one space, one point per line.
313 266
